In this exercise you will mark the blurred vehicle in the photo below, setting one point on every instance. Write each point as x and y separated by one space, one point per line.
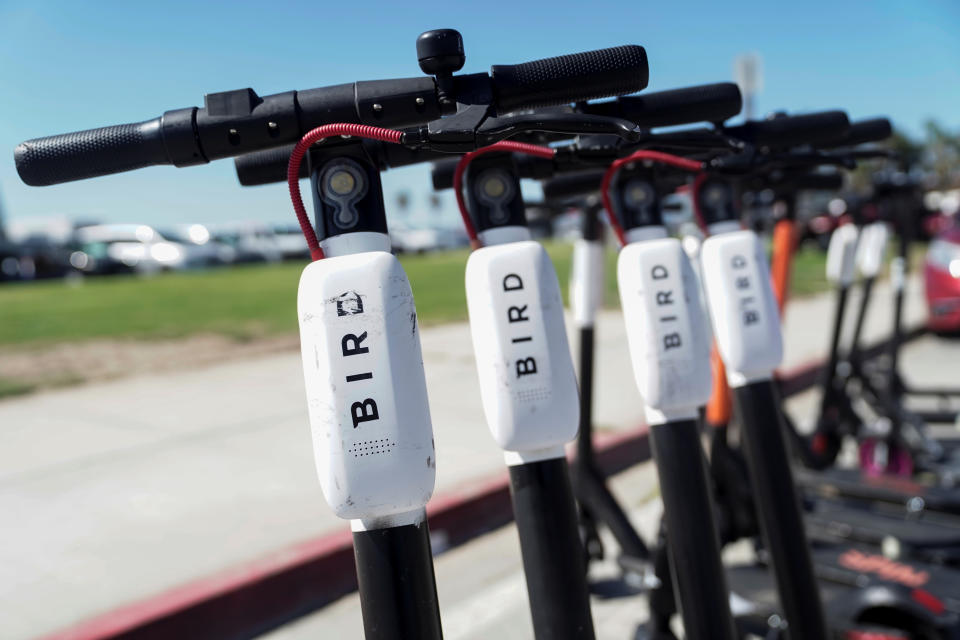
252 242
43 257
201 249
942 281
943 207
36 247
818 228
124 248
409 239
290 241
10 255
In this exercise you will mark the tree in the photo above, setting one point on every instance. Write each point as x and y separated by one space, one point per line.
942 156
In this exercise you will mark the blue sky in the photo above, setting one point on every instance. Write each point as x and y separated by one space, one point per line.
66 66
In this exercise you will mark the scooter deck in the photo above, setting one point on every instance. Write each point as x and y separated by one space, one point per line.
860 590
906 493
934 538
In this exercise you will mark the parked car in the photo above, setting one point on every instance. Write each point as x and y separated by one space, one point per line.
124 248
201 249
942 281
252 242
43 257
10 255
410 239
290 241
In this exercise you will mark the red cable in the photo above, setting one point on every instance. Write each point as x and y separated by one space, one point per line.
296 158
506 145
695 198
614 168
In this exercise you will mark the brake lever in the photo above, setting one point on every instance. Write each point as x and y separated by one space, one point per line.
500 128
474 127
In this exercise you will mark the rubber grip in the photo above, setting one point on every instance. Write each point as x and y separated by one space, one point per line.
702 103
572 185
570 78
266 167
863 131
87 154
871 130
442 173
790 131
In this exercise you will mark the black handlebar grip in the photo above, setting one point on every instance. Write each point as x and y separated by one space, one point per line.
570 78
86 154
790 131
863 131
442 173
266 167
872 130
703 103
572 185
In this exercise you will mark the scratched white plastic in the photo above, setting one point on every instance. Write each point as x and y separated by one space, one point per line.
872 248
586 281
366 392
743 308
527 382
841 255
666 325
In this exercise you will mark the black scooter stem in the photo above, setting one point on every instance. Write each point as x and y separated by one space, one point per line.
547 524
698 576
778 509
588 482
398 593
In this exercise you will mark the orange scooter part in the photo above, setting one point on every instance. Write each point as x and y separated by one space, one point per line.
784 243
720 405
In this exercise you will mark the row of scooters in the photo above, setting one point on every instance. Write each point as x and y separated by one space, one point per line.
870 559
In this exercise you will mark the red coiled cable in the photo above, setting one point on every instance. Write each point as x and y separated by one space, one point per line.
296 158
504 146
655 156
695 197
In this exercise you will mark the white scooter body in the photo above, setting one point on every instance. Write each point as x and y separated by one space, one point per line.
842 255
666 328
743 308
527 380
366 391
872 249
586 281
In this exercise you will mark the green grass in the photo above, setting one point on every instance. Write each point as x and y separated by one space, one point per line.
11 387
809 272
246 302
242 302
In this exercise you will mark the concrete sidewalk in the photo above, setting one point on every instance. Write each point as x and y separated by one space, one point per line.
114 492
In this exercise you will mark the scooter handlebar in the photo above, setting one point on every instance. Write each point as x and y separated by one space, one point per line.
702 103
862 132
572 185
95 152
236 122
570 78
270 165
790 131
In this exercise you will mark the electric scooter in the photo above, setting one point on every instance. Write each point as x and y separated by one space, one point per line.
852 608
363 369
